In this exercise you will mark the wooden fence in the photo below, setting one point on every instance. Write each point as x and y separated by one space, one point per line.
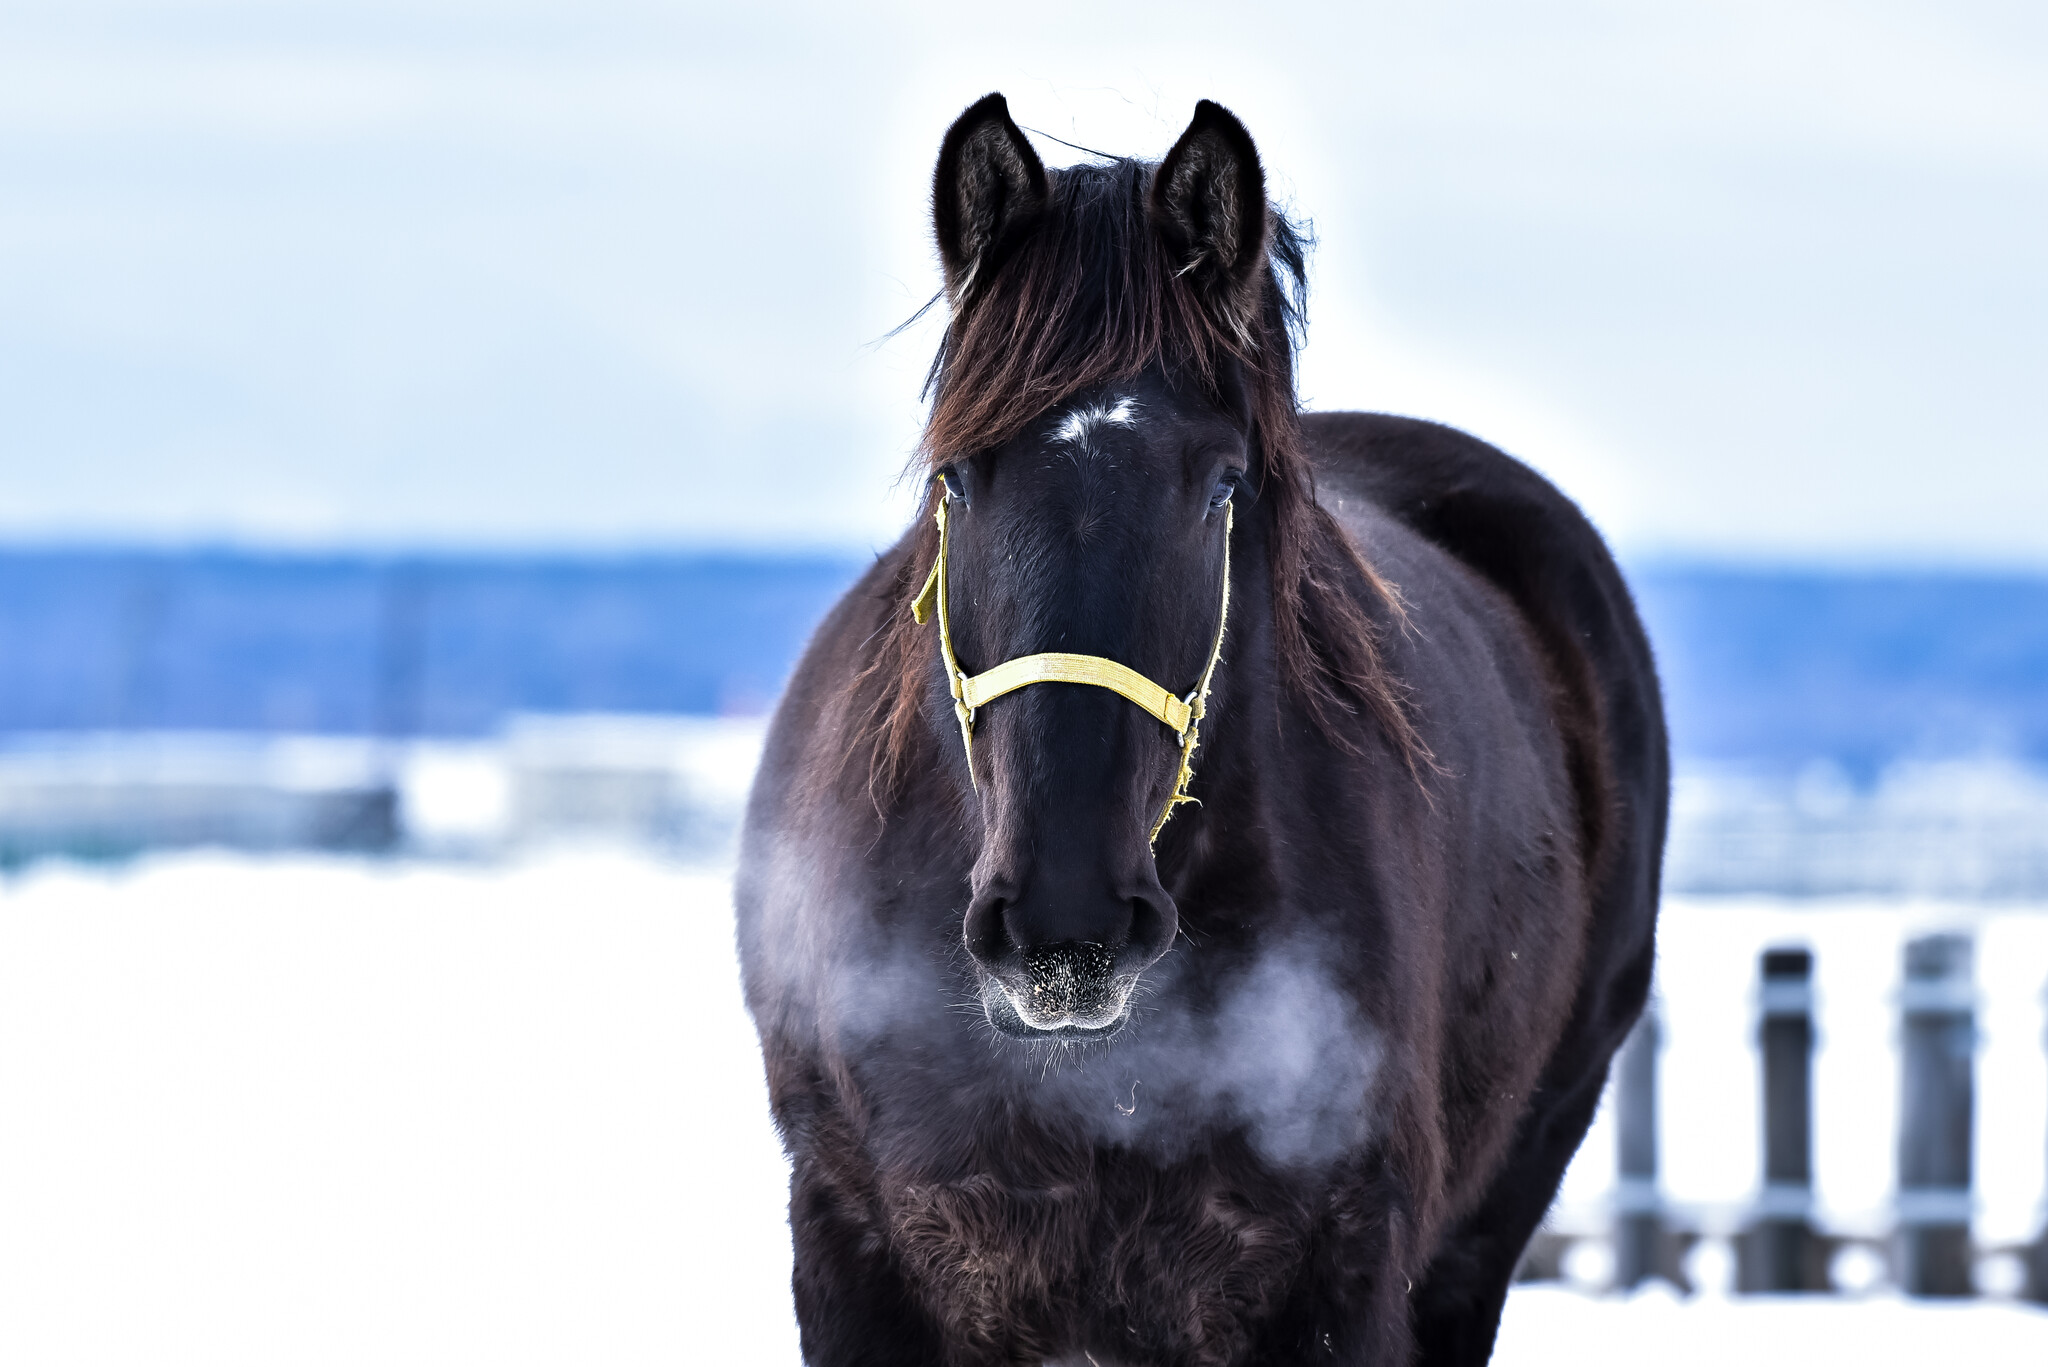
1782 1246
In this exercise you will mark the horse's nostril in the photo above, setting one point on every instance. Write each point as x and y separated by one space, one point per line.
1154 923
984 930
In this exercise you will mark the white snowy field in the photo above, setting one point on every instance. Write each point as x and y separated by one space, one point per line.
317 1111
304 1111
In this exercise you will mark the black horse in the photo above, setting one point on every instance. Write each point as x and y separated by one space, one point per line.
1293 1076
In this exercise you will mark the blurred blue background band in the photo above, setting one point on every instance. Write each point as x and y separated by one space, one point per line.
432 646
1774 669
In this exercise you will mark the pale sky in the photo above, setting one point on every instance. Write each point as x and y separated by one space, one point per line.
1753 281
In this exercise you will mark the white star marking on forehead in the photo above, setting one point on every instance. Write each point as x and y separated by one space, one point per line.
1078 424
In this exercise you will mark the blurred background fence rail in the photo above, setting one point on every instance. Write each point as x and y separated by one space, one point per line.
1836 733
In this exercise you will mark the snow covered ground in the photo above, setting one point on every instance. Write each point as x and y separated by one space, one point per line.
297 1110
1547 1326
300 1111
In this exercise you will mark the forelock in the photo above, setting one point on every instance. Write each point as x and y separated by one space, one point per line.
1090 298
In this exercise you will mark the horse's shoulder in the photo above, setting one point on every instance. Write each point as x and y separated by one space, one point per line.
1513 527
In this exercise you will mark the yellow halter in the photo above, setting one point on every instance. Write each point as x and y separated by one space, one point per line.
1182 714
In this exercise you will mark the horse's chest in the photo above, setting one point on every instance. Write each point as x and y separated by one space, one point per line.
1131 1264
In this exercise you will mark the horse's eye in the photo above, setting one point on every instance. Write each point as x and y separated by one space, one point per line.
954 488
1225 487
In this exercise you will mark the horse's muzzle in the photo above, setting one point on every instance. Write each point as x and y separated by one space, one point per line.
1059 991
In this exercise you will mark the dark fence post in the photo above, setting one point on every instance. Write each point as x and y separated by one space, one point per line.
1638 1218
1780 1252
2037 1258
1937 1046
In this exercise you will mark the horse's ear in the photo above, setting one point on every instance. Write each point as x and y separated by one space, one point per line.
988 192
1208 205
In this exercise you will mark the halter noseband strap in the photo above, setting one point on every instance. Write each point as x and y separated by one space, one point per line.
1183 715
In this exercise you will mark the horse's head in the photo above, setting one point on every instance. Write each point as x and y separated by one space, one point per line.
1095 523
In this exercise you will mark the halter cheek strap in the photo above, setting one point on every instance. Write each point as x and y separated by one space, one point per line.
1183 714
